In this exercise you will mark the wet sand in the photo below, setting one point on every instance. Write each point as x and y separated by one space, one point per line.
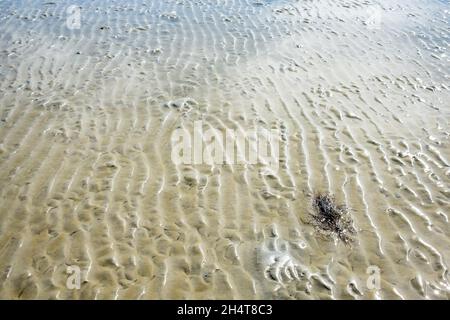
359 91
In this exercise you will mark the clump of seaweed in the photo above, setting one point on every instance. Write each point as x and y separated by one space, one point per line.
332 218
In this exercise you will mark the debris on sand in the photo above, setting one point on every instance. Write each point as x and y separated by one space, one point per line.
332 218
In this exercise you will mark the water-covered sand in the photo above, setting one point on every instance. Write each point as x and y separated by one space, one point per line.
359 91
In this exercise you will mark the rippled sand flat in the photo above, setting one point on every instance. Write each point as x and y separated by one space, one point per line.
359 90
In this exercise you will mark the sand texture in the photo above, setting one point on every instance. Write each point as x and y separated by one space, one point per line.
87 180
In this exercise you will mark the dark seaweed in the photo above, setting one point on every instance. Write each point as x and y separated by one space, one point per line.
332 218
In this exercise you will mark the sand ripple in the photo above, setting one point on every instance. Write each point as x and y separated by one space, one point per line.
86 177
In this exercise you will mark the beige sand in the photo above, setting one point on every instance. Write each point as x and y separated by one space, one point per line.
359 91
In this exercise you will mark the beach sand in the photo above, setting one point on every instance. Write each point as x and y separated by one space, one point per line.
359 91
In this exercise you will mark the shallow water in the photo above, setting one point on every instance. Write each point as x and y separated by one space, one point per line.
358 90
